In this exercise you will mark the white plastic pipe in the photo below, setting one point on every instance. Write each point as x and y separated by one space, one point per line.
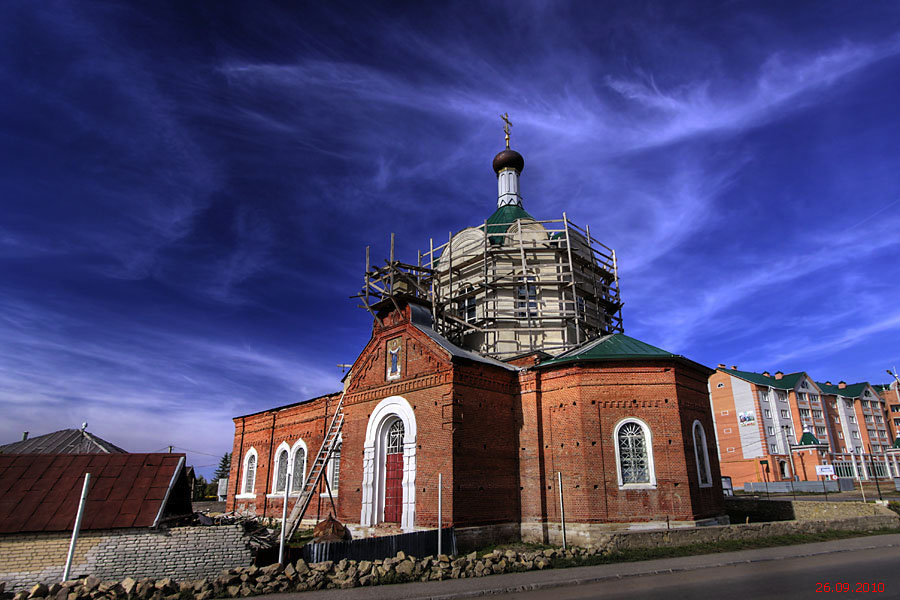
440 516
287 487
81 503
562 509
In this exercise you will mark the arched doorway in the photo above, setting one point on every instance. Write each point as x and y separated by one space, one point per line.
393 473
389 465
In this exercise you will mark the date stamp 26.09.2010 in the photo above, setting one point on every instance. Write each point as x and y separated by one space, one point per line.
845 586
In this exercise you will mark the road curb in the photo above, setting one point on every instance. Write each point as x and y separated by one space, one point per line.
529 587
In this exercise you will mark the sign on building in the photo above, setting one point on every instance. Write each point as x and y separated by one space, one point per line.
823 470
747 418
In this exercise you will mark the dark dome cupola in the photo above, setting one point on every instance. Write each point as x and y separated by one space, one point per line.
508 159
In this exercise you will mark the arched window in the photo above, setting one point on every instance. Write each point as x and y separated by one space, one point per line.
701 454
783 467
249 478
298 472
334 472
281 471
634 455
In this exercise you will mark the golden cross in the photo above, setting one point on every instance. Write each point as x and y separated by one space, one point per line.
506 126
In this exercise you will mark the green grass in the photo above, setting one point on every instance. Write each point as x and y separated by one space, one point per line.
638 554
517 546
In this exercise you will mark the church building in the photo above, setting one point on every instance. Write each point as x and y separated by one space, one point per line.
497 366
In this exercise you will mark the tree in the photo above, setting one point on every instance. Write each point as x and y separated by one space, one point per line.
200 488
224 467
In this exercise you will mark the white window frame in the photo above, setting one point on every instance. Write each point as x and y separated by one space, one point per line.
329 469
243 496
767 413
699 425
298 445
770 430
785 414
282 447
648 445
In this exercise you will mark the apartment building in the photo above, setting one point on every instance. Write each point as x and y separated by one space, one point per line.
890 394
778 427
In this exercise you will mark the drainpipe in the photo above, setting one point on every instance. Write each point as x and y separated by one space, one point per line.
268 467
237 477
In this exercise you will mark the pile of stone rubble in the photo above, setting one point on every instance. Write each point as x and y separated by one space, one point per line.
300 576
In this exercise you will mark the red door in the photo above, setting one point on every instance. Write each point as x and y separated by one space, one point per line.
393 488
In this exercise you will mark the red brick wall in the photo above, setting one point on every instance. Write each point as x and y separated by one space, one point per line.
264 432
580 407
499 437
486 477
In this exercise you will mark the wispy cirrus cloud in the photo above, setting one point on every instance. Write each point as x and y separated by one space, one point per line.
192 190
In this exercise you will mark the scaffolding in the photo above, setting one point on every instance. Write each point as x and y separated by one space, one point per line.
505 289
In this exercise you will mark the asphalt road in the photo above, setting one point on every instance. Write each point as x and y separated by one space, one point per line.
784 572
860 572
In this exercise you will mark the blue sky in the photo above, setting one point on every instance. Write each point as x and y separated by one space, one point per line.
187 189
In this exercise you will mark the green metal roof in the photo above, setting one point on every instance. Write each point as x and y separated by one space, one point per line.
853 390
500 221
897 442
881 387
787 382
610 347
808 439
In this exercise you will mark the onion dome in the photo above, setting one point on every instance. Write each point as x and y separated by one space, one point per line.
509 159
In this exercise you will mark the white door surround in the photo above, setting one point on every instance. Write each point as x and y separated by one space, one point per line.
385 414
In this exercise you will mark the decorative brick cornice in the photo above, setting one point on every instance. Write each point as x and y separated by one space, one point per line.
398 388
485 383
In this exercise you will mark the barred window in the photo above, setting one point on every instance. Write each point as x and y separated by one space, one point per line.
635 461
395 438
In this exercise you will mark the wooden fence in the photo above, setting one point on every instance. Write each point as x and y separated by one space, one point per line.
417 543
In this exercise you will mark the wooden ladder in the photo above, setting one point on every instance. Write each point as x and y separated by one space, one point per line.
317 470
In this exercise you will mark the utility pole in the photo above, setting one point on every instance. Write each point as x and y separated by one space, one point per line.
874 473
790 453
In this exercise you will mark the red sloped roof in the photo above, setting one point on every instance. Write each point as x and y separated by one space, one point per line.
40 492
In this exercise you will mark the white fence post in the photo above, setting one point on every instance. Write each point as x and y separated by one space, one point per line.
84 493
440 515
